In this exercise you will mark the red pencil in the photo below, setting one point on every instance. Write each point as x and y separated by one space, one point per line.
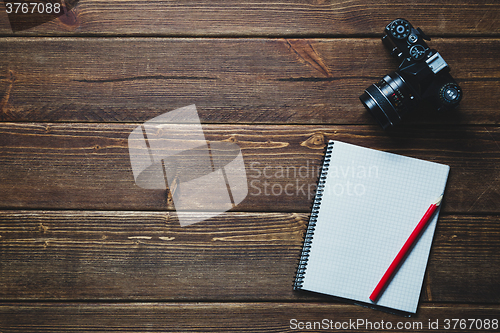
405 250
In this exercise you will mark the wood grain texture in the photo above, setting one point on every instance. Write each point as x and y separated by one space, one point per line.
83 249
278 81
262 18
87 166
74 255
221 317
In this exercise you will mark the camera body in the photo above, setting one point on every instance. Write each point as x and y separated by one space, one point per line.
423 75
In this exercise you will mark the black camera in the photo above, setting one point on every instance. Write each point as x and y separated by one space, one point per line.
422 76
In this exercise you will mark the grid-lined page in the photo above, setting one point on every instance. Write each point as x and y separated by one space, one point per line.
372 201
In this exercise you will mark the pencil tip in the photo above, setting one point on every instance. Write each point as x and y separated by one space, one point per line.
438 201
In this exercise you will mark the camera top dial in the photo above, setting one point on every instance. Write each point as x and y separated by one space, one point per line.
450 94
399 28
417 52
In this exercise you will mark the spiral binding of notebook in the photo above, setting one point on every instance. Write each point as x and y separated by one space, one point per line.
304 257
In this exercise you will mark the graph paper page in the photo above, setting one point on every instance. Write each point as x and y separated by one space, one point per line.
372 202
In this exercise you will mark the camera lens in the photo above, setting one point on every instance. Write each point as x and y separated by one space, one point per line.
388 100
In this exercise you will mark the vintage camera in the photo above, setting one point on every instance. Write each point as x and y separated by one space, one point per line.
422 76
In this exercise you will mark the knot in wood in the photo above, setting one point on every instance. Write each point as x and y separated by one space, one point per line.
316 141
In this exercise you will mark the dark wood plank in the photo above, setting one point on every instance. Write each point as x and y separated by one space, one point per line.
227 273
74 255
234 317
279 81
261 18
87 166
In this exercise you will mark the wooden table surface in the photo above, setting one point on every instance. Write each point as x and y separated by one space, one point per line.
82 248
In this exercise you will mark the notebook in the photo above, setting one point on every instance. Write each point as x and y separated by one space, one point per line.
367 204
